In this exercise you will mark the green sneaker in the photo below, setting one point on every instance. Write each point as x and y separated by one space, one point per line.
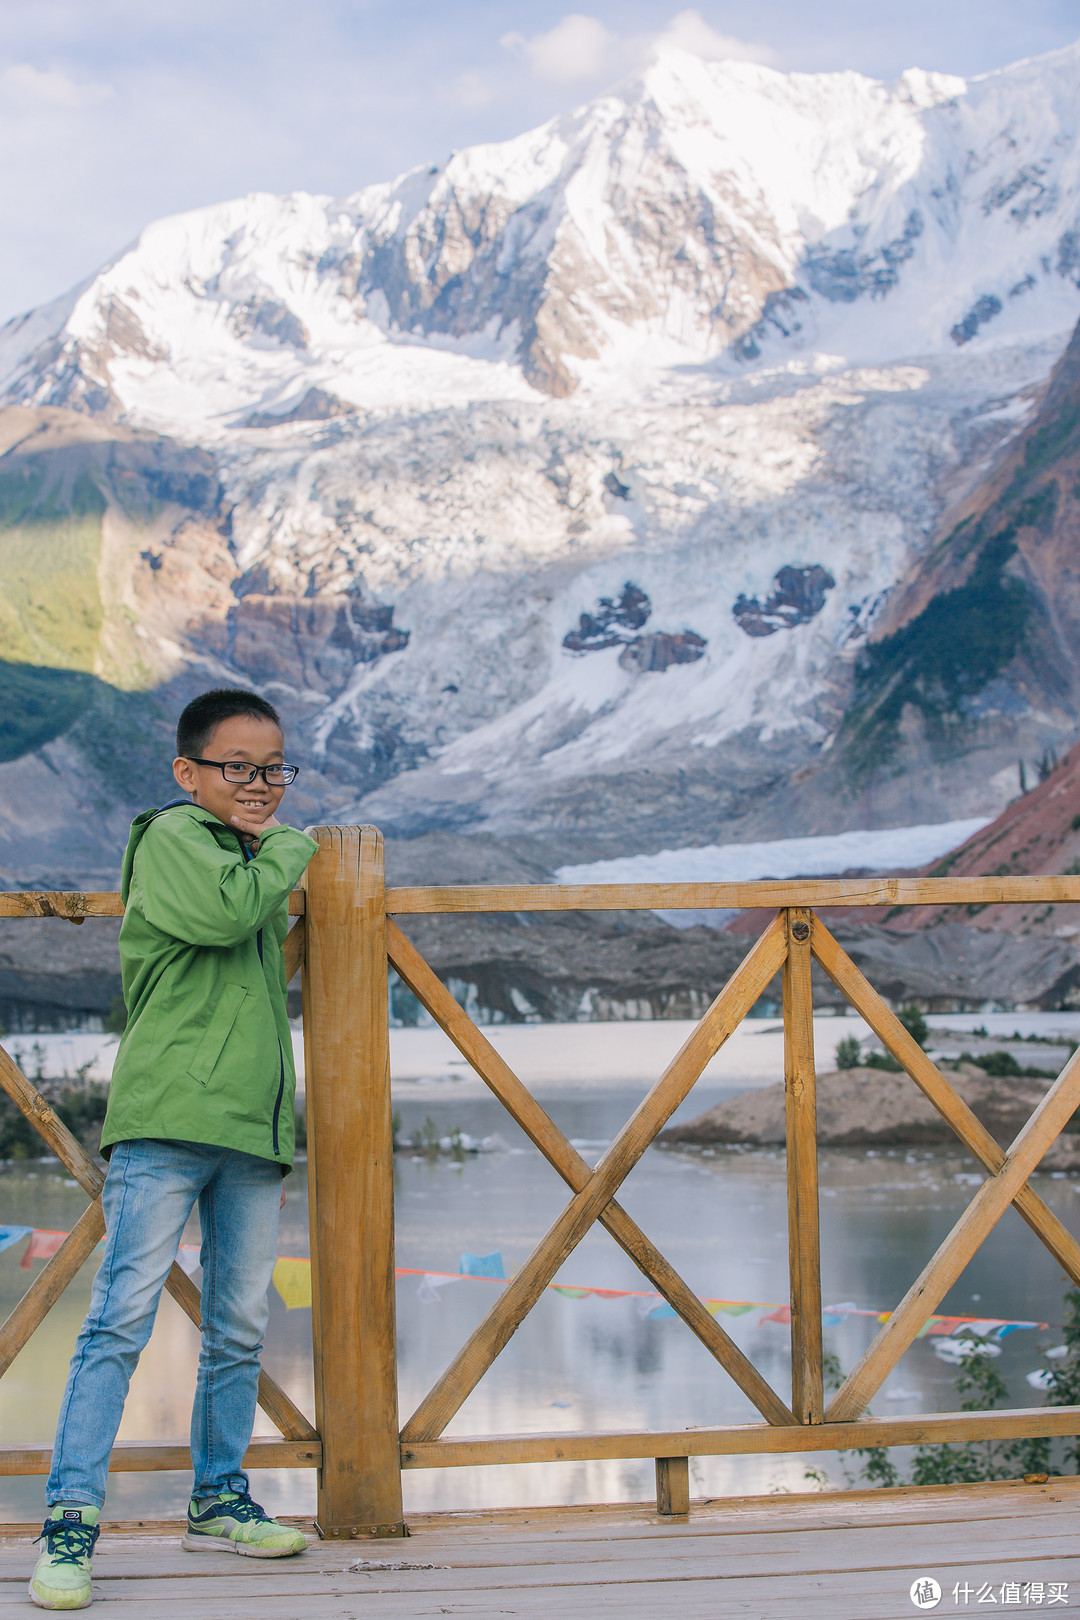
231 1522
61 1579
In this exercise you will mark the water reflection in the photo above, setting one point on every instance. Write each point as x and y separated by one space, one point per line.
584 1364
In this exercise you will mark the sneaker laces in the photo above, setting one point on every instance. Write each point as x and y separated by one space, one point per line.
67 1542
239 1505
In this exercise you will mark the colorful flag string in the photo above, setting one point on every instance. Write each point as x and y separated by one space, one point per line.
292 1280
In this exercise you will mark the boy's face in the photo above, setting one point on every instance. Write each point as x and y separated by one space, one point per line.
245 737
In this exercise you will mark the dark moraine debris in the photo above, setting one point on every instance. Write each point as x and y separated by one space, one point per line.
798 596
658 651
612 621
872 1108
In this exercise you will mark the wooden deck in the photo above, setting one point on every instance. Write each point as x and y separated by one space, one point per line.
848 1556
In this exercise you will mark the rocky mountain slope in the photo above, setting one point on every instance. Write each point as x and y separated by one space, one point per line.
567 489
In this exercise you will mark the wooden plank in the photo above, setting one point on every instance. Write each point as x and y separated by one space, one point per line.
667 1557
936 1089
741 1439
350 1141
50 1283
665 1542
75 906
713 896
169 1455
770 893
828 1595
672 1486
937 1277
800 1106
534 1121
521 1293
293 949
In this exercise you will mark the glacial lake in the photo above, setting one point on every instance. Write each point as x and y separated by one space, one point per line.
588 1363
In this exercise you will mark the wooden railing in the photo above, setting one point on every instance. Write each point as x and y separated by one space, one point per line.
345 938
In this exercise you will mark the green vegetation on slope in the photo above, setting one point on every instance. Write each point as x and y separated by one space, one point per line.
50 546
37 705
943 658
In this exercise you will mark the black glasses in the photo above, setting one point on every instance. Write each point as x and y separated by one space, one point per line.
238 770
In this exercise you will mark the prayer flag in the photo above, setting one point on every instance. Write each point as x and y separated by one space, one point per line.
482 1265
292 1279
431 1284
12 1234
42 1246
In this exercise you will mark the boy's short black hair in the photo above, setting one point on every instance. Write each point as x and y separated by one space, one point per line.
196 725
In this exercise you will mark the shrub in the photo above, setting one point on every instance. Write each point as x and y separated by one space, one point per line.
913 1021
883 1060
848 1053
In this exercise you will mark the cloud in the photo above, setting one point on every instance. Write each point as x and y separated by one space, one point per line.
577 49
581 49
690 32
51 86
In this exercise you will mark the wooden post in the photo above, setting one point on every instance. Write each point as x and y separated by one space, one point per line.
804 1252
672 1486
351 1185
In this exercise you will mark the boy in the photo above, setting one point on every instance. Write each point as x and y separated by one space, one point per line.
200 1109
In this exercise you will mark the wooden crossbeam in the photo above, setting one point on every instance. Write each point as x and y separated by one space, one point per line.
742 1439
522 1292
937 1090
978 1220
75 906
545 1135
90 1175
769 892
800 1105
154 1456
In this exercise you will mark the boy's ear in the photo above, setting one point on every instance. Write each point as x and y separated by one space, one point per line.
184 772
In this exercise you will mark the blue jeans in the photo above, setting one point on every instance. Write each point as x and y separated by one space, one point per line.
149 1192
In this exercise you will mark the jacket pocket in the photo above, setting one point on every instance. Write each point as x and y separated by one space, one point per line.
217 1033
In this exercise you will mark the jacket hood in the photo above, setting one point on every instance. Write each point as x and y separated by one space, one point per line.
138 833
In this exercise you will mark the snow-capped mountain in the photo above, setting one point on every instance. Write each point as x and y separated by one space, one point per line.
558 486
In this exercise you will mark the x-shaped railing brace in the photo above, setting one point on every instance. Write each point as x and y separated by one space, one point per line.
594 1189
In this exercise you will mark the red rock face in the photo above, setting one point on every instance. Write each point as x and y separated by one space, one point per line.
324 637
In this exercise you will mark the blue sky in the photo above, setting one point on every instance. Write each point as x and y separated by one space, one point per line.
115 112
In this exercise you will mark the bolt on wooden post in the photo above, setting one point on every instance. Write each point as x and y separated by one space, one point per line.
804 1247
351 1184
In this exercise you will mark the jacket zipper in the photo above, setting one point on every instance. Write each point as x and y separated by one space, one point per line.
281 1055
280 1095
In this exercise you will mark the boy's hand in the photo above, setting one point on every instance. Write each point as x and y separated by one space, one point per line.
250 830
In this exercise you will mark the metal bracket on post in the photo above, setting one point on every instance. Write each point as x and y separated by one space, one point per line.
351 1185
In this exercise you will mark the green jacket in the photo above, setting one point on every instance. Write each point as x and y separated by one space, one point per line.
207 1053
